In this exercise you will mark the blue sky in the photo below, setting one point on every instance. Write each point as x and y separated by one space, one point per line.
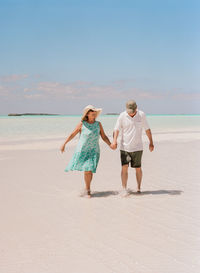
59 56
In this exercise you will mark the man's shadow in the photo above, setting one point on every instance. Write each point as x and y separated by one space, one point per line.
153 192
169 192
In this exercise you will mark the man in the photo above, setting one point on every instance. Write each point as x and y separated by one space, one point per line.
130 123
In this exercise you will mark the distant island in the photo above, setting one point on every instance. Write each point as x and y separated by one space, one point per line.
32 114
45 114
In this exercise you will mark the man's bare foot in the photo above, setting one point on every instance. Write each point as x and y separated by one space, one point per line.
138 191
124 192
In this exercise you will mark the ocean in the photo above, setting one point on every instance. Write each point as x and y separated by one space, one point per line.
28 131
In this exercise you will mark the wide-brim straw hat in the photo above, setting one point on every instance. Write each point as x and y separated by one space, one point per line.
91 107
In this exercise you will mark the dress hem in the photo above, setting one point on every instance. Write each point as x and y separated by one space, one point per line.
80 170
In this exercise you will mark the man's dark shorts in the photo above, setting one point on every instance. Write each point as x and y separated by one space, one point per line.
134 158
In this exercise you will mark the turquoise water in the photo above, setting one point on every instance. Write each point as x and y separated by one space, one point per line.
34 127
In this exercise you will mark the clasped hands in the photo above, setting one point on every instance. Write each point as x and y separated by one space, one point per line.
113 146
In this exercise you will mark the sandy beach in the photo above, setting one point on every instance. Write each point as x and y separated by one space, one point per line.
47 228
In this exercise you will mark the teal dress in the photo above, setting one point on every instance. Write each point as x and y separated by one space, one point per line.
87 153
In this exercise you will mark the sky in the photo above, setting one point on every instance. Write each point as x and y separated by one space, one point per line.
59 56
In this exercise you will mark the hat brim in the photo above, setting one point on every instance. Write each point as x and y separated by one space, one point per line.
97 110
131 111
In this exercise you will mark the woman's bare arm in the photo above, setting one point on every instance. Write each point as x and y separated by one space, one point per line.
72 135
103 135
115 136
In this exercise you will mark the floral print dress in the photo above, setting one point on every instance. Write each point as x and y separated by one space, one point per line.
87 153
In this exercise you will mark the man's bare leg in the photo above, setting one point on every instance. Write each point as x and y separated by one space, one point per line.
124 175
138 177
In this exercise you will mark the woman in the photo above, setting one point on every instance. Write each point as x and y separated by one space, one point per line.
87 152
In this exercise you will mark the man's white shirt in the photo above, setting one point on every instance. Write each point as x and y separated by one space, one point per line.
131 130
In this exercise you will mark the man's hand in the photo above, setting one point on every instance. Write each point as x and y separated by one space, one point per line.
151 147
113 146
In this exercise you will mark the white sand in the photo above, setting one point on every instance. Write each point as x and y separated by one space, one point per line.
46 228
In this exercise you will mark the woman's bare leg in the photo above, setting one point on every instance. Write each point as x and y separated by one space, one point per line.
88 179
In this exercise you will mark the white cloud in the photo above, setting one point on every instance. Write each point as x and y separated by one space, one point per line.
34 96
6 91
187 96
13 77
13 86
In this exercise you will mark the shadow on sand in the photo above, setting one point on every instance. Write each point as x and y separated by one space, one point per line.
169 192
108 193
104 193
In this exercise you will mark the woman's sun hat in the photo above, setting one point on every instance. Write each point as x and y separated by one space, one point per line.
88 108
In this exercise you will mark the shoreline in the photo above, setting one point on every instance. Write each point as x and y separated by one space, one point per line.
53 143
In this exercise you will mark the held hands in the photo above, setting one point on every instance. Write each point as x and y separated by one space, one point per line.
113 146
151 147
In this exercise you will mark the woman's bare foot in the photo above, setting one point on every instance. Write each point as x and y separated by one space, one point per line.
88 194
85 193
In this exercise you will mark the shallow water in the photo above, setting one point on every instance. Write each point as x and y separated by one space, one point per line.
46 130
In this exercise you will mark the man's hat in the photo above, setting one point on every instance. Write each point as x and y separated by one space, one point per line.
131 106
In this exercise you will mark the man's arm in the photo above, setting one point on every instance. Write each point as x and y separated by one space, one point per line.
148 131
115 136
149 134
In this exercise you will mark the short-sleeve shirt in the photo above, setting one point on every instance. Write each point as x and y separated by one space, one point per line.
131 130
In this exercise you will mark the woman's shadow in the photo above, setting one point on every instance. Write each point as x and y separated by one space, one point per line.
104 193
152 192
